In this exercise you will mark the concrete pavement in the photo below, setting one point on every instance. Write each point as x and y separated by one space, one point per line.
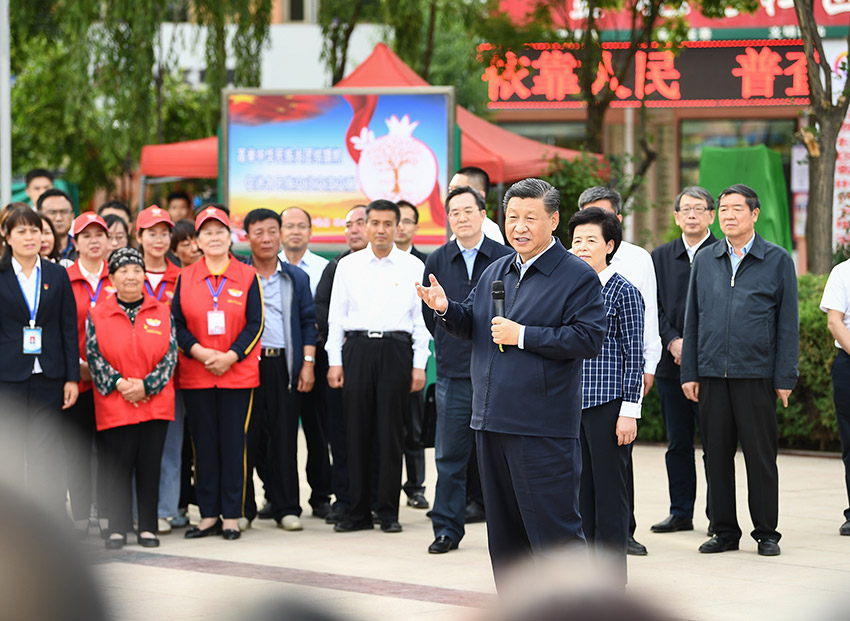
374 575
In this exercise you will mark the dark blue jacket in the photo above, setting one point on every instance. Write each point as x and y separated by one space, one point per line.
746 326
448 265
57 317
535 391
302 319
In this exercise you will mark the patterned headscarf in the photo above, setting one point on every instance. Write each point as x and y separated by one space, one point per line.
125 256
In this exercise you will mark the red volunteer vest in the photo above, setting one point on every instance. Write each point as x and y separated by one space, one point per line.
134 351
86 299
195 301
164 292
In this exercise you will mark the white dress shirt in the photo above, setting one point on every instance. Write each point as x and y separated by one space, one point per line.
311 263
28 288
692 250
635 265
377 294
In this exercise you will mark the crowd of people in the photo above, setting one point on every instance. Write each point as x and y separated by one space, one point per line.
183 368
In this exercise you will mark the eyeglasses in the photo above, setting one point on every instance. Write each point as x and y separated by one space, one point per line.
454 214
52 213
697 210
118 238
291 226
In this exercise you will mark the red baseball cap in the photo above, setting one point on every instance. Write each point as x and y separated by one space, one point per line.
211 213
85 219
152 216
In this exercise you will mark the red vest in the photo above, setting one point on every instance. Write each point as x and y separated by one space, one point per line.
195 301
164 292
134 351
87 299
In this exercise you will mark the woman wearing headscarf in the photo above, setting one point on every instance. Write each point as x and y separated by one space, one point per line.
218 311
132 349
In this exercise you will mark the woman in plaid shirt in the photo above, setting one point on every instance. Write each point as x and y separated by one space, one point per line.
611 394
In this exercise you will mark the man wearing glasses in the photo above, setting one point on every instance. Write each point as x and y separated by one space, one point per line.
59 209
694 212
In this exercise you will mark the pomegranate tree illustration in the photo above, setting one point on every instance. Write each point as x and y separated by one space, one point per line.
395 166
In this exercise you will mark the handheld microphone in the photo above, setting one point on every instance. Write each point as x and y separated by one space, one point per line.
498 291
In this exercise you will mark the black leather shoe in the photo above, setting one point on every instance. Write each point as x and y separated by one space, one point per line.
417 501
671 524
147 542
474 513
198 533
442 544
391 527
718 544
114 543
634 548
322 511
266 513
336 514
231 534
768 547
347 526
845 528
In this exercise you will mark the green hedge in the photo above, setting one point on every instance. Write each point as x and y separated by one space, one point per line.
809 420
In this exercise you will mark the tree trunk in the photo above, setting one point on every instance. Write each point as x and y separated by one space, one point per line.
819 243
593 125
429 41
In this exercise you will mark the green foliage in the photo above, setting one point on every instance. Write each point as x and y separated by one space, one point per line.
572 178
809 420
651 424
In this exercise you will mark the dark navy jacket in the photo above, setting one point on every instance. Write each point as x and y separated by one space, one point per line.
672 272
535 391
448 265
302 319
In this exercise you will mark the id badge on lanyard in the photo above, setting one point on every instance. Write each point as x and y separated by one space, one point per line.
32 333
215 318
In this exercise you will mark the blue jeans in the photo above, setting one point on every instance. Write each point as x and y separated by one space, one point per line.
452 446
169 476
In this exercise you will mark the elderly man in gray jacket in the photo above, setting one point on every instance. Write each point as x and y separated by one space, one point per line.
740 351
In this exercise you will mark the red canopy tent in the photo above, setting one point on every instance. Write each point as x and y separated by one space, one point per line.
504 155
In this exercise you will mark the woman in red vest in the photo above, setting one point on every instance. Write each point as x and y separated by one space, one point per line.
91 286
132 349
218 312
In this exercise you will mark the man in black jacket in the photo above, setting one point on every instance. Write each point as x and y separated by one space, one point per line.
694 213
458 266
740 352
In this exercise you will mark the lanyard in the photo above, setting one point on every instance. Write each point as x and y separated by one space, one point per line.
34 308
162 288
217 292
93 296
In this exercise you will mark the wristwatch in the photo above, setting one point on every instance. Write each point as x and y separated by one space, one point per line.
309 359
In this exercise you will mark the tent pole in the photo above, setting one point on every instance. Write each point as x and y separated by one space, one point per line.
5 107
142 180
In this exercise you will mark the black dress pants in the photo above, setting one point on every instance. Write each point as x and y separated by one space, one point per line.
218 421
745 410
133 450
315 426
603 497
841 397
376 389
414 452
31 425
78 439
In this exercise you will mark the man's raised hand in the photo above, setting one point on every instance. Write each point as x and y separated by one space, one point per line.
433 296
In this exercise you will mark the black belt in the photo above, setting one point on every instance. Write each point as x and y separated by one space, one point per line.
398 335
272 352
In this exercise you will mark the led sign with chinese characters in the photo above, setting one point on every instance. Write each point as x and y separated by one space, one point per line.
701 74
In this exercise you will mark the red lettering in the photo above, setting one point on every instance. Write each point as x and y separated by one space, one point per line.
557 77
758 71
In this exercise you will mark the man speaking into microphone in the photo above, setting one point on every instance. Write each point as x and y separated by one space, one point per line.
526 376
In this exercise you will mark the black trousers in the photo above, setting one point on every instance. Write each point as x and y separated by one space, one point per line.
276 411
78 439
376 390
841 397
414 452
218 421
745 410
32 453
133 450
604 497
315 426
531 487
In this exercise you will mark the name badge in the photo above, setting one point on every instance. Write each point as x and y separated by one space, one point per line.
32 341
215 322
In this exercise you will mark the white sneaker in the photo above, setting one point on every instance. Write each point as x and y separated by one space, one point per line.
244 524
163 526
291 522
